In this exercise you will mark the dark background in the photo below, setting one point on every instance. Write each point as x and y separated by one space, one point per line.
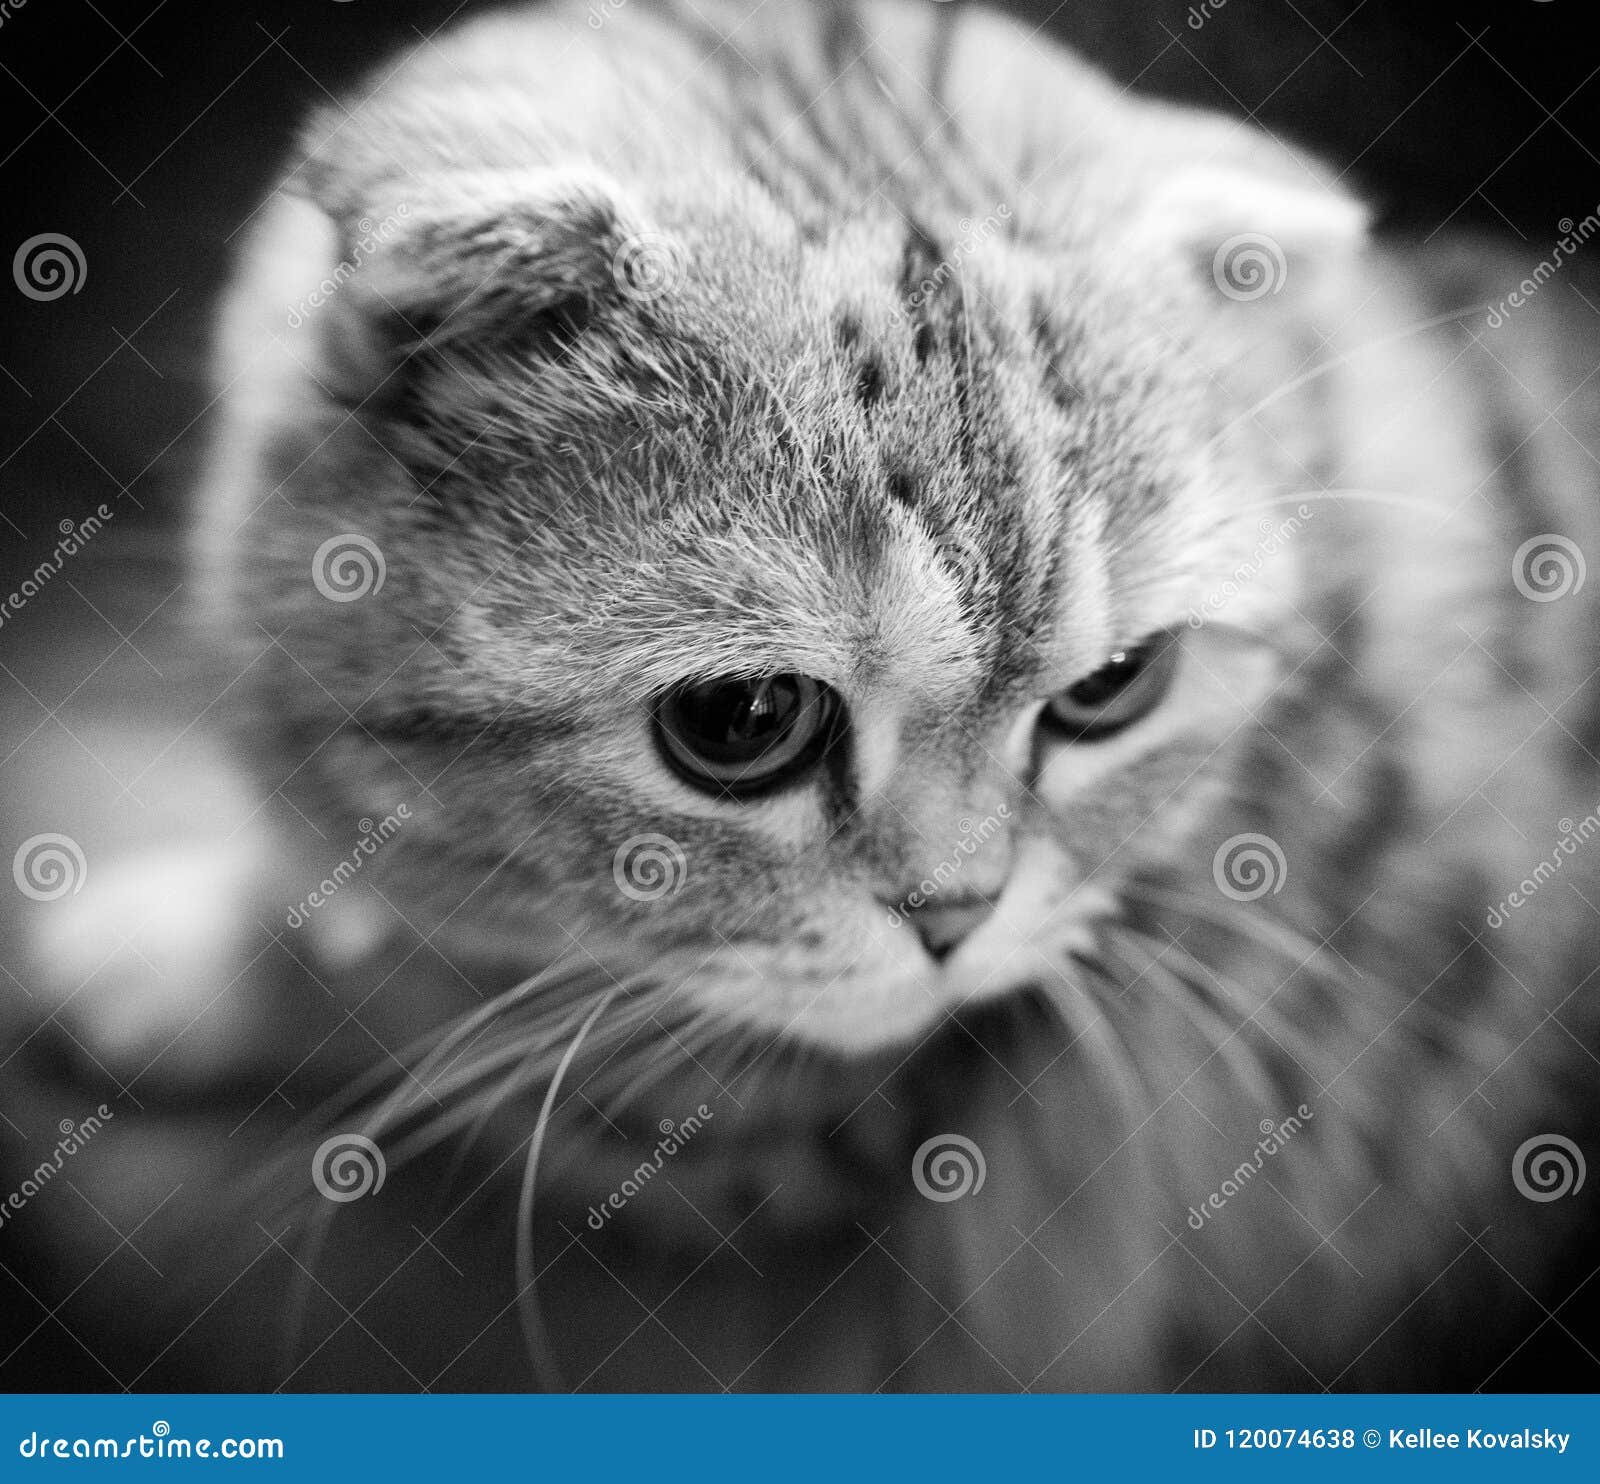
147 132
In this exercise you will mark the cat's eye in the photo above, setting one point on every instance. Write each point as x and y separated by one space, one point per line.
744 737
1121 691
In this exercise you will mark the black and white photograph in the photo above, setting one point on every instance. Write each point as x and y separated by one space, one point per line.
800 696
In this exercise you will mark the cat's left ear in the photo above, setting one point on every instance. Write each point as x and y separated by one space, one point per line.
1252 229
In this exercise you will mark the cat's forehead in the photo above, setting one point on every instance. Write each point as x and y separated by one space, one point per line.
892 479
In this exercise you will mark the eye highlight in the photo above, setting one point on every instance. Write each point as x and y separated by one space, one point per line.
1127 687
747 736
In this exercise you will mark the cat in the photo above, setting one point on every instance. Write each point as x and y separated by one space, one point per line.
861 710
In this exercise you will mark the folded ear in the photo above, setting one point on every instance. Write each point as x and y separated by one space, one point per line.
1250 219
460 272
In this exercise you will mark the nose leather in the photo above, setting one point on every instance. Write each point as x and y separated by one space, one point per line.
943 926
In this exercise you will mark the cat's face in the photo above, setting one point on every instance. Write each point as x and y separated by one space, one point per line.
804 617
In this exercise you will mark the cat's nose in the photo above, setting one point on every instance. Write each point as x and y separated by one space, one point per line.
944 926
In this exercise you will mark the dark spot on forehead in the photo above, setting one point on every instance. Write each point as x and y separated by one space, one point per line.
847 331
919 261
870 379
902 484
1058 386
922 277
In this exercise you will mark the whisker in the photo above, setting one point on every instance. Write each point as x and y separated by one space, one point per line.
1269 931
1238 999
1217 1033
1348 492
1068 1000
1343 359
533 1328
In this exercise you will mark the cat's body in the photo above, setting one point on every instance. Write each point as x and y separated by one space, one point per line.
893 349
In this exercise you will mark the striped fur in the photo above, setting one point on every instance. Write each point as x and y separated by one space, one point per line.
939 402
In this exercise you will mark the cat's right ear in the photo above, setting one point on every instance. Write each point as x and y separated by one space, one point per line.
456 270
1250 219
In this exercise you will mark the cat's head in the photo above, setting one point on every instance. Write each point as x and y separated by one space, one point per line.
821 578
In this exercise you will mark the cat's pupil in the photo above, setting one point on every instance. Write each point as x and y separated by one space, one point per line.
739 736
1100 687
1115 694
740 721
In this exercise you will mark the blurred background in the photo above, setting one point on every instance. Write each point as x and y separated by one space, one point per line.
147 131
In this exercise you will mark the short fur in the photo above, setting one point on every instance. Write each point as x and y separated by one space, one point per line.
883 344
